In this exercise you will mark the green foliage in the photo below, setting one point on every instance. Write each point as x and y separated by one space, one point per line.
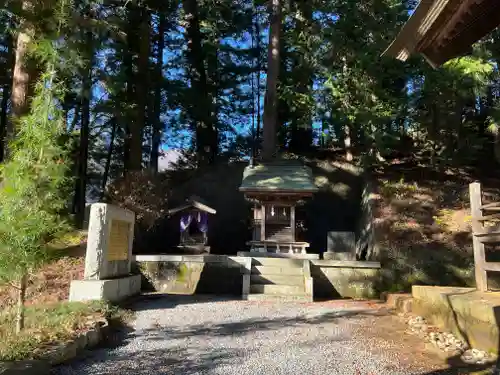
48 325
34 183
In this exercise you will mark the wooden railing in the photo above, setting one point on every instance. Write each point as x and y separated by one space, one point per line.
485 231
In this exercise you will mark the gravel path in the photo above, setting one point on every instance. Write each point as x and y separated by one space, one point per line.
199 336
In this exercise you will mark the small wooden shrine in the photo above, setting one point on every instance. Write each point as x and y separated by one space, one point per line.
193 219
276 189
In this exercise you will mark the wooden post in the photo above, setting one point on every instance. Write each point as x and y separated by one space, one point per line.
477 227
263 223
292 222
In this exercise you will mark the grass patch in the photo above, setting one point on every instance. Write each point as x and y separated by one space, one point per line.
48 325
69 239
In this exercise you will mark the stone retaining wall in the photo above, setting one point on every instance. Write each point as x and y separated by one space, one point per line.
470 315
345 279
221 274
192 274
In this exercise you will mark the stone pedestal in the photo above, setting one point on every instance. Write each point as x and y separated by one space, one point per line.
112 290
108 256
340 246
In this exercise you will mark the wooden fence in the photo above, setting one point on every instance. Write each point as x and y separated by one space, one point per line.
485 231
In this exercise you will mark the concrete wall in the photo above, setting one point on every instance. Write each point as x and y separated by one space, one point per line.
471 315
220 274
204 274
344 279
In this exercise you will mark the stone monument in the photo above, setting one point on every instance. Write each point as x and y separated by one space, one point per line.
108 257
340 246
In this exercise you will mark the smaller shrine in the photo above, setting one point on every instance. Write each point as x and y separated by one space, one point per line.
193 219
276 189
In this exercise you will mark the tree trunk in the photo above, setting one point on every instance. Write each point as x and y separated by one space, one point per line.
205 131
83 153
6 92
126 117
252 86
141 84
259 71
133 141
157 125
21 298
302 135
107 167
273 65
24 77
213 80
4 119
138 44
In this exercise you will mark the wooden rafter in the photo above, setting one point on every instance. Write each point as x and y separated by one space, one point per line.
443 29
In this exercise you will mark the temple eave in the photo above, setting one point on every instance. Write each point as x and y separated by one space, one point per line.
441 30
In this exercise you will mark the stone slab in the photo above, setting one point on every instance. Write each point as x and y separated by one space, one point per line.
256 254
112 290
277 270
346 263
340 246
109 243
471 315
282 290
279 298
230 261
277 279
344 282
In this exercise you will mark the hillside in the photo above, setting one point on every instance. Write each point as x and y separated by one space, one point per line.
423 221
51 283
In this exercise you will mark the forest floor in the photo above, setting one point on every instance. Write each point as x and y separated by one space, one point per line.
51 283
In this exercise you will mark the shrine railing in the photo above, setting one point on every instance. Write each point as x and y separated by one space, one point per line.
290 247
485 232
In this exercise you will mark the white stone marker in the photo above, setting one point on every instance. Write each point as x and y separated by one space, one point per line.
108 257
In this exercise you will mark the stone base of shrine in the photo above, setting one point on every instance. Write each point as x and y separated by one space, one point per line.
112 290
257 254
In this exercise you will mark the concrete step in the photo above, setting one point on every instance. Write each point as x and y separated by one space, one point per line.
285 255
282 271
279 298
277 279
278 262
285 290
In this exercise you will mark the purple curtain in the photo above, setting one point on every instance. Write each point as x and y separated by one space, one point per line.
186 219
203 222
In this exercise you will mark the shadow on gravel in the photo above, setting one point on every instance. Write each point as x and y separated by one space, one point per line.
457 367
192 359
169 301
250 325
174 361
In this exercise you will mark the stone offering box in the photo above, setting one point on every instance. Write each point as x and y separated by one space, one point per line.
108 257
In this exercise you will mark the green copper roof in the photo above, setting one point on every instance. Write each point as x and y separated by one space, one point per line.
284 176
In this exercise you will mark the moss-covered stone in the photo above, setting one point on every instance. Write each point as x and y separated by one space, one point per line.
340 282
